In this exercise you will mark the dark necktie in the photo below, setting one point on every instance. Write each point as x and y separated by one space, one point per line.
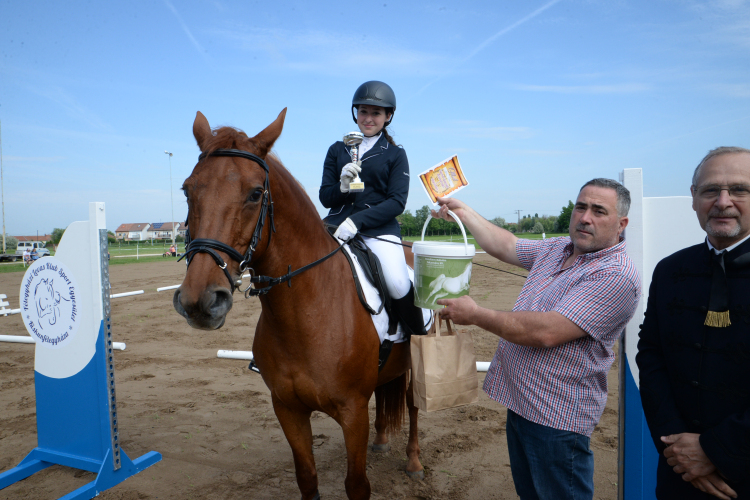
718 304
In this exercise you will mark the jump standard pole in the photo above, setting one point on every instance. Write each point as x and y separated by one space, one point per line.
74 371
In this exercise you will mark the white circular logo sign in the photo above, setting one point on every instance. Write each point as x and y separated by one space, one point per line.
49 303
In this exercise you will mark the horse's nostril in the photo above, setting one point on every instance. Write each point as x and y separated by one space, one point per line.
177 304
221 304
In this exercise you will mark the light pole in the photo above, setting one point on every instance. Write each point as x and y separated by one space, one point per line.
170 193
2 187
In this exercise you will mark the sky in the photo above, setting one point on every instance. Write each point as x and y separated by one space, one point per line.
535 97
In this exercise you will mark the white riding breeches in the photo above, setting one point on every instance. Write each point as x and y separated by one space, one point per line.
393 263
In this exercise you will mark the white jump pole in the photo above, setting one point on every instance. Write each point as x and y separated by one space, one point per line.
482 366
246 355
22 339
125 294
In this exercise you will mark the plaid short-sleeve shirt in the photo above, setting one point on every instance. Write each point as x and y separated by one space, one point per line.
565 387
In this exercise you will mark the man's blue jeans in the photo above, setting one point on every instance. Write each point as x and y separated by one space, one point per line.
547 463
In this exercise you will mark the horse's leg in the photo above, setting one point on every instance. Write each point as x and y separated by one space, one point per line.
355 422
380 443
414 467
296 426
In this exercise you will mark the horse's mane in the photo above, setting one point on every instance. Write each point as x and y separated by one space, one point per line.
234 138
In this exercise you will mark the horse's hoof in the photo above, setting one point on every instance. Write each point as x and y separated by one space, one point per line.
317 497
418 475
380 448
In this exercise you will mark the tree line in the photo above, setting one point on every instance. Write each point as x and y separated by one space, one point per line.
411 224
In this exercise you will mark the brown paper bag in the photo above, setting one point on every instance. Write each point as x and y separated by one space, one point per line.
443 368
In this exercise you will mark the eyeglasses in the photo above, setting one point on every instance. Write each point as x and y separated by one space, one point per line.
713 191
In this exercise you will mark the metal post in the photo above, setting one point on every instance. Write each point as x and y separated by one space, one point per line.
2 186
171 197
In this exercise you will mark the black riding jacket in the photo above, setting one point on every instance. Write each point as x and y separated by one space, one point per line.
385 172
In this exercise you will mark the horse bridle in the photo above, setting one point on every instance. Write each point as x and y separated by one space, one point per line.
206 245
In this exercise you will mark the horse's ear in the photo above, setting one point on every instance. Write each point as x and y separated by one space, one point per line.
201 130
268 136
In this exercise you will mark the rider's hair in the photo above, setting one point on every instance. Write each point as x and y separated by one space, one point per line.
389 138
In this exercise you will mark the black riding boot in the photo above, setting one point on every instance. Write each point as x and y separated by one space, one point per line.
409 315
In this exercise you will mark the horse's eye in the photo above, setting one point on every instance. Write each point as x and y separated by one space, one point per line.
255 196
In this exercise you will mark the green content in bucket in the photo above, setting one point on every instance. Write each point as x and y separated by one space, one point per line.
441 270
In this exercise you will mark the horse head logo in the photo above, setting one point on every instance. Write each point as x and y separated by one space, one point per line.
47 301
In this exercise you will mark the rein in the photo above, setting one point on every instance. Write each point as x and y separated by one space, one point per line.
272 282
475 263
206 245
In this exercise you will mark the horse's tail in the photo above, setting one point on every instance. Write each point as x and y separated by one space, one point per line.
390 399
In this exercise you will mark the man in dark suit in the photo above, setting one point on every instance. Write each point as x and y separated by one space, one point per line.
694 348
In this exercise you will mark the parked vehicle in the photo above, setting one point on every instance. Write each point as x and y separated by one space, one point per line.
30 245
9 257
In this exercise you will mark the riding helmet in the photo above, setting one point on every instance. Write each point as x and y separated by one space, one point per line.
375 93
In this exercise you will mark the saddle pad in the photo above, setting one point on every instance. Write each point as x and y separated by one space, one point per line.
372 297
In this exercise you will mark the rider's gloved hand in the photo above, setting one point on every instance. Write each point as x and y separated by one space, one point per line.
348 173
346 230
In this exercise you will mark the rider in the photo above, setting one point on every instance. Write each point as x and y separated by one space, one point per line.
384 170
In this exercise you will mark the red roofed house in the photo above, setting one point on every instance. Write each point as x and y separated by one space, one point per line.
44 238
163 230
133 232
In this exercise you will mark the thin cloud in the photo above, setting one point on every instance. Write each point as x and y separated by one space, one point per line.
185 28
71 106
732 89
490 40
543 152
324 52
33 159
491 133
622 88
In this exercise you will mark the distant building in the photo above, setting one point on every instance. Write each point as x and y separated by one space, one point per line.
163 230
43 238
133 232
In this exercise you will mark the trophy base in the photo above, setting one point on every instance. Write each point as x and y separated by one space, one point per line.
356 187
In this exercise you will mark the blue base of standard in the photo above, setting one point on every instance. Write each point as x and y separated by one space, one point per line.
106 478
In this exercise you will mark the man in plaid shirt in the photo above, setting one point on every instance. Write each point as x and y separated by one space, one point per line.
555 349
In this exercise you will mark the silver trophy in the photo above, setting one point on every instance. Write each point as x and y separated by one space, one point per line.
354 139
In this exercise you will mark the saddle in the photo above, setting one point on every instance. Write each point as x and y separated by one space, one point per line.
371 268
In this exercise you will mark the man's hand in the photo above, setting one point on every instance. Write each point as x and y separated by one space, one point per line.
685 455
458 207
461 310
714 485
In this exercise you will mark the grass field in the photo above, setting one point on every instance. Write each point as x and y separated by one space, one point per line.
470 239
126 254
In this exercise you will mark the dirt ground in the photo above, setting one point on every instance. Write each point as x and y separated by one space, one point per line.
212 421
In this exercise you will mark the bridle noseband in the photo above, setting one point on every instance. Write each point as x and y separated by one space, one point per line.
205 245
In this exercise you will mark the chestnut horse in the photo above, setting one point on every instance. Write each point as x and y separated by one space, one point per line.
315 344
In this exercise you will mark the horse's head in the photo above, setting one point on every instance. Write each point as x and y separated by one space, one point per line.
227 200
46 300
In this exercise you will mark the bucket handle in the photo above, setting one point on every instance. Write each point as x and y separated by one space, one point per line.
455 217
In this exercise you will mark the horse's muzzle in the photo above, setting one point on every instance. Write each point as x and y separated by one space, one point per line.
208 310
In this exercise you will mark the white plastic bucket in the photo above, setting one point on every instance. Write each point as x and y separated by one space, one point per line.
442 270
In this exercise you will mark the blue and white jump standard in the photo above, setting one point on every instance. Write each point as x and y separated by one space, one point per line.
658 227
65 303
